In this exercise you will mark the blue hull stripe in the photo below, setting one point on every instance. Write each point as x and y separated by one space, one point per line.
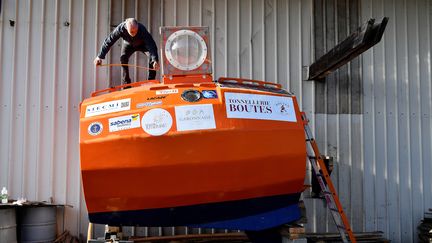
258 222
249 214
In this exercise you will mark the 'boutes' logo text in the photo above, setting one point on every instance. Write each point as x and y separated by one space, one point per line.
256 106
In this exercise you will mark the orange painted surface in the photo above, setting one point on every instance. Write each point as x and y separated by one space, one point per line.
238 159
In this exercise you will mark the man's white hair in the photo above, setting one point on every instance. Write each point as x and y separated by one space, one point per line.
131 22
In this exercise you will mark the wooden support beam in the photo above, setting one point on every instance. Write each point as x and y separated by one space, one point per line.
358 42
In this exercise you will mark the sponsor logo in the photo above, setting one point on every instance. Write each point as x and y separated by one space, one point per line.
146 104
166 91
157 97
283 108
108 107
156 122
124 122
209 94
195 117
95 128
261 107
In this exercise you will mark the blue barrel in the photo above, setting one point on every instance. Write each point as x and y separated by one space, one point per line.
8 225
37 224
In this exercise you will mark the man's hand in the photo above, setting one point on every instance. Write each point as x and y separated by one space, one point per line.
156 65
97 61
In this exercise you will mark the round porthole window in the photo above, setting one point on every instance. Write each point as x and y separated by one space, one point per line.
191 95
186 50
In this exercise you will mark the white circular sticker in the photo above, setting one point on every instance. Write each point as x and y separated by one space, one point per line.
95 128
156 122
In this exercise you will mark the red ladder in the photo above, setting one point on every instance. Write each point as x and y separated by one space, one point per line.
326 185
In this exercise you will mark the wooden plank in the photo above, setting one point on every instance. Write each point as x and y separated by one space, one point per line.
227 237
358 42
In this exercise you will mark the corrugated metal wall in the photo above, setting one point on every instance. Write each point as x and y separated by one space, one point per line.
397 119
383 153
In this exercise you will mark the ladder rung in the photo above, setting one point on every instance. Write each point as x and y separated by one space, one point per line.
340 226
334 209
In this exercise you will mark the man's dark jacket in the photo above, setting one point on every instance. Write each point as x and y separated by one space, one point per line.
142 40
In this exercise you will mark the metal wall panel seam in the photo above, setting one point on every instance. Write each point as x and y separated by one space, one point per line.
415 122
96 43
226 37
263 67
187 12
12 105
380 92
425 101
136 16
320 126
396 226
74 181
39 117
68 77
162 20
251 76
200 12
276 42
175 12
369 135
328 117
1 34
427 173
401 73
82 208
350 120
4 176
4 165
391 124
348 31
288 50
238 38
213 34
357 141
407 232
53 103
299 36
308 93
25 177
